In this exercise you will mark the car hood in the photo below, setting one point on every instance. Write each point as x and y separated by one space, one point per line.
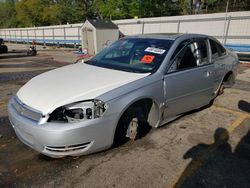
72 83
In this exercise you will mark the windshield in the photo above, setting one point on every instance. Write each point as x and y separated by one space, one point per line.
133 55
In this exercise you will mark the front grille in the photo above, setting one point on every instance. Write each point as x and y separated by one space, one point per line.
67 148
26 111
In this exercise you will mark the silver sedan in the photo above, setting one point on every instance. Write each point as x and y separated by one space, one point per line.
137 82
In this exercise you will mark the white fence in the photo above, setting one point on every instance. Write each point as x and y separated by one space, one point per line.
64 34
231 28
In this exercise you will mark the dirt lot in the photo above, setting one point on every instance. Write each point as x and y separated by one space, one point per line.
205 148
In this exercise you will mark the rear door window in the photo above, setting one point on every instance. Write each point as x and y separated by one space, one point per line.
214 49
200 52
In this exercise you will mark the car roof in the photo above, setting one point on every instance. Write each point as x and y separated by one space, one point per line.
168 36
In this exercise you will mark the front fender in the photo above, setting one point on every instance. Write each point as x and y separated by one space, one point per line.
118 105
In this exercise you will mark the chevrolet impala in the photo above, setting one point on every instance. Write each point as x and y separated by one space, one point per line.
142 80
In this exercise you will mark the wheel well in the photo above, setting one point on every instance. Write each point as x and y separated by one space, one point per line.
227 76
229 79
150 110
146 112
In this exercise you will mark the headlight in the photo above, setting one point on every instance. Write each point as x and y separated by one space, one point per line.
79 111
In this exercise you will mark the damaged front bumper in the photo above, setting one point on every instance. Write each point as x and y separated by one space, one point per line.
63 139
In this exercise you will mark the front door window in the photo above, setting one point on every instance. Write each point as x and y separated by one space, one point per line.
193 55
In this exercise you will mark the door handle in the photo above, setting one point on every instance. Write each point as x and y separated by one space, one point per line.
208 73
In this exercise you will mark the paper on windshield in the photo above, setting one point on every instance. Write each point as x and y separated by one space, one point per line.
154 50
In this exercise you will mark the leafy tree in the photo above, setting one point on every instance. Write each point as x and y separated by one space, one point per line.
150 8
29 13
7 13
108 9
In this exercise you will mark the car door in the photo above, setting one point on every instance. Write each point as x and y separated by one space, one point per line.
218 58
188 83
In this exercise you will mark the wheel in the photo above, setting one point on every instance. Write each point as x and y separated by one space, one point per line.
34 52
132 125
31 52
128 127
4 49
122 129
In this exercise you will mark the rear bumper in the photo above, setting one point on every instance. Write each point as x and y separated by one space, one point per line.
63 139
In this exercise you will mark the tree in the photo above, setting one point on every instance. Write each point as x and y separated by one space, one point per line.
109 9
7 13
29 13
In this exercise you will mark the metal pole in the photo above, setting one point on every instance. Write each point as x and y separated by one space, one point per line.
228 24
225 22
142 29
15 37
35 33
43 38
27 36
64 33
10 37
53 35
21 36
178 26
78 33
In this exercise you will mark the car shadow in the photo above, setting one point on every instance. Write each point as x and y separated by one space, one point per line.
17 51
215 165
21 55
244 106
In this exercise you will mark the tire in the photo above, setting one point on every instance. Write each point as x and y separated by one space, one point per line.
4 49
31 52
129 118
35 52
121 129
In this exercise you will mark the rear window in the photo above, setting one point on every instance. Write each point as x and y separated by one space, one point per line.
221 49
217 49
